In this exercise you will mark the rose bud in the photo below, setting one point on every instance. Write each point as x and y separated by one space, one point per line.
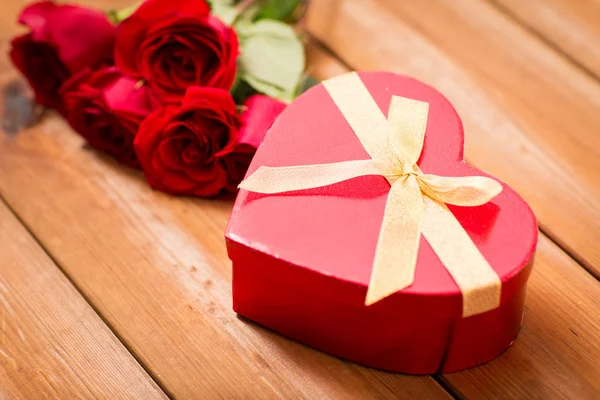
259 114
174 45
107 108
63 40
180 148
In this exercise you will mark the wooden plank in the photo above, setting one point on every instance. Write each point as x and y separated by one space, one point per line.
573 27
52 343
535 130
557 351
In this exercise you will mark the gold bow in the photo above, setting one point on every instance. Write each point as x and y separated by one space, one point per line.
415 203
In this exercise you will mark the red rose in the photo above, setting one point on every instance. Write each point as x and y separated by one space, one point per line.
259 114
107 108
176 44
63 41
180 148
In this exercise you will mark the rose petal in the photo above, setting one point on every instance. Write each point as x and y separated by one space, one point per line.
237 164
208 118
35 17
261 111
82 37
125 94
132 31
89 112
219 97
151 10
149 135
154 35
168 154
172 181
213 173
42 69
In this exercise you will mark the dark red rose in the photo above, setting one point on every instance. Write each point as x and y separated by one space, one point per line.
259 114
63 41
176 44
180 148
107 108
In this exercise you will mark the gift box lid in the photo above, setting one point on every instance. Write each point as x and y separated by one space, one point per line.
330 233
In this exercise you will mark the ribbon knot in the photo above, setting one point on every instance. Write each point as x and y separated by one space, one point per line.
415 203
408 169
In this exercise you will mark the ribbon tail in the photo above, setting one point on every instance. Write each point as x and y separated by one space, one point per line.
398 244
271 180
460 191
480 285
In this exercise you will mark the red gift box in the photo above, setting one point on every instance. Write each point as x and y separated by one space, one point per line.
302 260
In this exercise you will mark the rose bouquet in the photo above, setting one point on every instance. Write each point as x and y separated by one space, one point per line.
183 89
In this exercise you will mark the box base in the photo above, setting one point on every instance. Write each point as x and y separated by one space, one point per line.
404 341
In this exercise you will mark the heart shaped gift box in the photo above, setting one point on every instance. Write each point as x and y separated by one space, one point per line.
304 256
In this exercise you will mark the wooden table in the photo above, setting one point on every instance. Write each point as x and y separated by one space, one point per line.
111 290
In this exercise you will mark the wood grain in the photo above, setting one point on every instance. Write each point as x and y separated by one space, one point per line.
571 26
52 343
536 131
556 353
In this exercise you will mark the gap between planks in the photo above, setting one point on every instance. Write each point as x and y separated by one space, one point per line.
540 36
55 352
83 296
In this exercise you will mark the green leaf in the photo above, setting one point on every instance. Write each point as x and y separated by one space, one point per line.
268 88
212 3
242 91
112 16
117 16
281 10
247 15
306 83
225 13
230 12
272 58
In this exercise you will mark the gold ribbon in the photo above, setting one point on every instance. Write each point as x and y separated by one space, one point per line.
415 203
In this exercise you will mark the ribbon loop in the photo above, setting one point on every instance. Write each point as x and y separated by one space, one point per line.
408 121
466 191
270 180
415 203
